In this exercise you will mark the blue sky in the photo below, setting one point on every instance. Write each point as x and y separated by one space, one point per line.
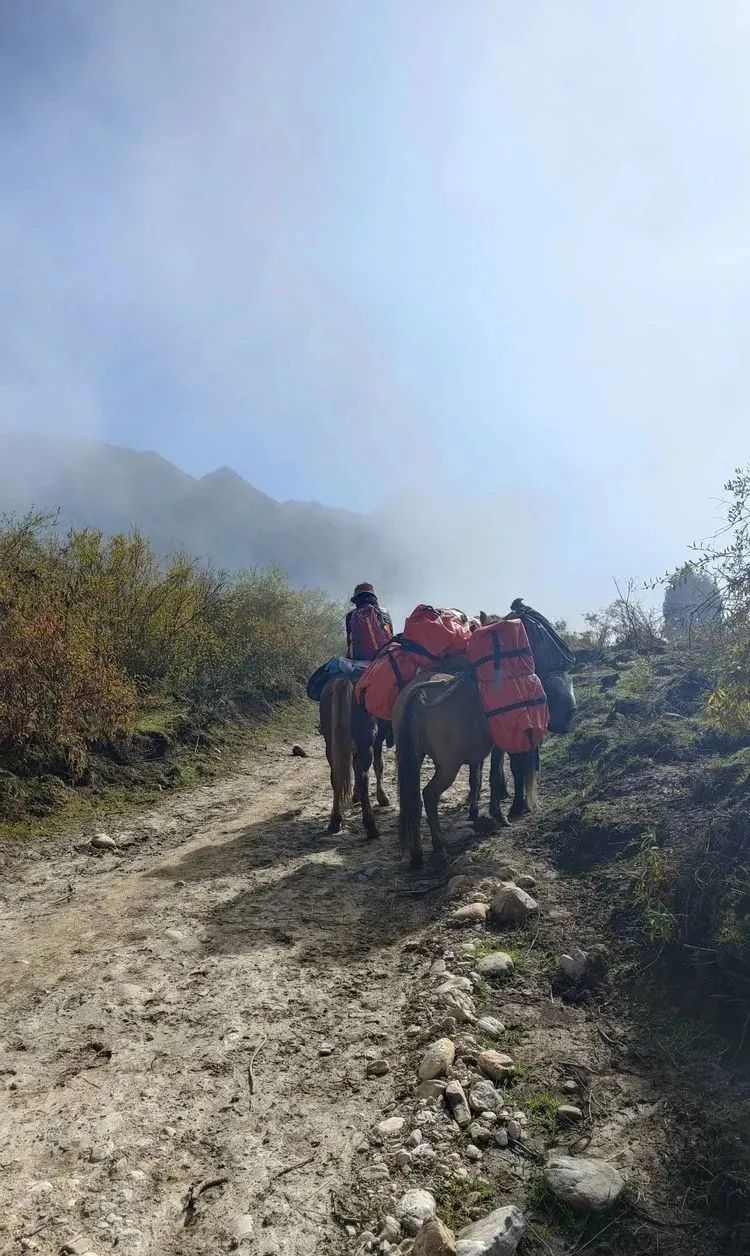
354 249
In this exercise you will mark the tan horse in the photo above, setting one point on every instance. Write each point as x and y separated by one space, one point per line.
354 741
441 717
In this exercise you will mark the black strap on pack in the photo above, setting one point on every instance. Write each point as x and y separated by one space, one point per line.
501 654
516 706
396 670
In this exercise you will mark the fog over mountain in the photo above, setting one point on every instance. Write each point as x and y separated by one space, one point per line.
219 516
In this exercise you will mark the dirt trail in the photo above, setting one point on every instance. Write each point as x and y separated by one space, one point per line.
136 990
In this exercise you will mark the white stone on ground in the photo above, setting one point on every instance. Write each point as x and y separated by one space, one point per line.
586 1184
495 1235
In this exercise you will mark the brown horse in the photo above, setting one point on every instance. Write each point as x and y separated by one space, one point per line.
354 741
442 717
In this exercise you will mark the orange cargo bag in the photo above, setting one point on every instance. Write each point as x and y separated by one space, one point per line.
379 687
439 632
511 693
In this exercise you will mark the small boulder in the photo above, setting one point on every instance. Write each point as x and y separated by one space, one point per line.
569 1114
378 1068
495 1235
459 1003
501 1138
458 886
584 1183
473 1152
484 1098
479 1134
437 1059
414 1139
434 1239
455 1099
298 752
414 1208
454 982
526 882
391 1127
495 1065
491 1027
103 841
512 905
433 1089
390 1230
471 914
496 965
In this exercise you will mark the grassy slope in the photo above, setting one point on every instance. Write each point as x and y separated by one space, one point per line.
649 807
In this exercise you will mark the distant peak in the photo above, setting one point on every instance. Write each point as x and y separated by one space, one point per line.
224 473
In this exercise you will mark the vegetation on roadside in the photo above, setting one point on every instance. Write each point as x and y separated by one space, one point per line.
110 653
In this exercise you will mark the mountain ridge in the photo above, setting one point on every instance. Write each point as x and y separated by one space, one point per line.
220 516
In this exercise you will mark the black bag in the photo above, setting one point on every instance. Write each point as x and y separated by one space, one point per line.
551 654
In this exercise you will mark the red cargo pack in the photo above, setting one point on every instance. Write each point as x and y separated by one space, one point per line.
379 687
438 632
511 693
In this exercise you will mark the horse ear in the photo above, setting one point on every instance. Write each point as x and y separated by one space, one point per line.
483 618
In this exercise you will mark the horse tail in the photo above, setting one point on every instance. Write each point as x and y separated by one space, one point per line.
341 741
409 757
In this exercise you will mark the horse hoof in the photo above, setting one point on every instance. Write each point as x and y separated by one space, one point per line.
371 834
334 828
384 801
473 815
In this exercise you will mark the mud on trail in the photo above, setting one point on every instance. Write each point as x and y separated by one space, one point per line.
168 1013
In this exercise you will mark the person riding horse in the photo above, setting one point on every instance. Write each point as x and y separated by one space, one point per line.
368 625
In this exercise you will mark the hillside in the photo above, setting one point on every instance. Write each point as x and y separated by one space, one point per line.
219 516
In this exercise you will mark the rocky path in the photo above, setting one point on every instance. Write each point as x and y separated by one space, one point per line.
204 1030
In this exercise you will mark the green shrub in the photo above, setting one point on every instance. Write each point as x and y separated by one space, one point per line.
93 628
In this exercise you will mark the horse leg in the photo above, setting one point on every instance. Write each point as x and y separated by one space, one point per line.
524 769
355 787
336 822
382 797
475 789
432 793
363 763
498 787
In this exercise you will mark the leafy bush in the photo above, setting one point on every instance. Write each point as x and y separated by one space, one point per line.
93 627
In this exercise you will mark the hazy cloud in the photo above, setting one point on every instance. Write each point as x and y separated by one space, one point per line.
495 253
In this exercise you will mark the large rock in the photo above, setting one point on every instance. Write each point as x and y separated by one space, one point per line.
414 1208
587 1185
495 1065
434 1239
471 914
457 1105
496 965
437 1059
495 1235
512 905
